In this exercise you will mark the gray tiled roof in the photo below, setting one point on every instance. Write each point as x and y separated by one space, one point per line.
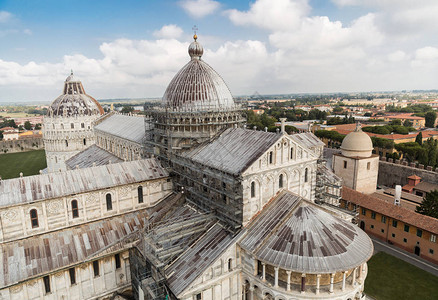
300 236
130 128
234 150
192 263
59 184
92 155
307 139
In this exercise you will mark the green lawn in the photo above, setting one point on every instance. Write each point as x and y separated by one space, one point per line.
30 163
17 114
392 278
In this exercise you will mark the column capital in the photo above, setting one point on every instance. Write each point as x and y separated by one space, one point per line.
318 275
303 275
288 272
276 268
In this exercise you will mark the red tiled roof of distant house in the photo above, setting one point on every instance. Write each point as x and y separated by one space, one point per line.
396 212
404 116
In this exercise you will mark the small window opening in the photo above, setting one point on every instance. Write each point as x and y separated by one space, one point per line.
252 189
109 202
74 209
46 280
72 274
140 194
96 268
34 218
117 259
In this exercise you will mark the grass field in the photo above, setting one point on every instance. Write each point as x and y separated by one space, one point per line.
392 278
17 115
30 163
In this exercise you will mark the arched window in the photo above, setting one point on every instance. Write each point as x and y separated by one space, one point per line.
82 125
74 209
253 189
109 202
140 194
280 181
72 126
34 218
85 142
291 152
230 264
271 157
62 126
306 175
66 143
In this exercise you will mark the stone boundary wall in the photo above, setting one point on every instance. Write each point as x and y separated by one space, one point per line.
393 172
21 145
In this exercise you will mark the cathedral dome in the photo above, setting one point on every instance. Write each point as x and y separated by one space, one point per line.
197 86
357 143
74 101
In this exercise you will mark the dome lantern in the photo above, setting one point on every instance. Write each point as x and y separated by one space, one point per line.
195 49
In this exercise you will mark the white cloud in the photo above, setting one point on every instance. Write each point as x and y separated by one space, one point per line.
283 15
294 52
199 8
5 16
397 56
170 31
27 31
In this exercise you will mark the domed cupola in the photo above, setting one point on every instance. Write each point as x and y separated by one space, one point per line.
74 101
195 49
197 86
357 143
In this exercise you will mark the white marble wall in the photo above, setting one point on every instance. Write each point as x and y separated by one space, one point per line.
56 214
87 285
66 136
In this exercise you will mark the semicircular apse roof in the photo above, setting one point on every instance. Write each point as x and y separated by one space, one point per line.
297 235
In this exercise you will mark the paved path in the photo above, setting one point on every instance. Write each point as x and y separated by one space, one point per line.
406 256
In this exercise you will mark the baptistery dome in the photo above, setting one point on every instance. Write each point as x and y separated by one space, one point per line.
357 143
197 86
74 101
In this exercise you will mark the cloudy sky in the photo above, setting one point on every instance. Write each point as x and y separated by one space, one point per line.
133 48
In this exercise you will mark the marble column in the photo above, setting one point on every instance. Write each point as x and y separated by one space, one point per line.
303 283
353 282
344 276
264 272
318 281
332 279
276 277
288 280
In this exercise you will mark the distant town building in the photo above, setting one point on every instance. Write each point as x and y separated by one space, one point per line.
417 122
418 187
10 133
408 230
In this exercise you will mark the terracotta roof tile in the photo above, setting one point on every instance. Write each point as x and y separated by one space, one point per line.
402 214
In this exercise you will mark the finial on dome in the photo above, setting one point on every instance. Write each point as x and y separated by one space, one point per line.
195 28
358 127
71 71
195 49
